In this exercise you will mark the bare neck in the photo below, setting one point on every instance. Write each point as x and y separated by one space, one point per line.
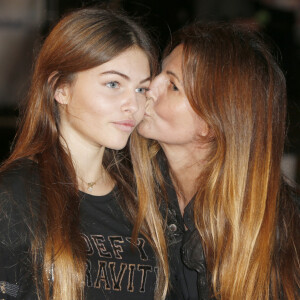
186 164
87 161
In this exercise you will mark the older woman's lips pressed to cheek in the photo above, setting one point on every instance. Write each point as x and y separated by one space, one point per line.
127 125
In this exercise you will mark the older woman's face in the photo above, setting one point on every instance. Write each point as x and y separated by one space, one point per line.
169 117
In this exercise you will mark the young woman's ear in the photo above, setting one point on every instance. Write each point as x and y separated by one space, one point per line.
62 94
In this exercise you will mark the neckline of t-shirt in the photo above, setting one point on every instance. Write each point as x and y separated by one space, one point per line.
102 198
90 197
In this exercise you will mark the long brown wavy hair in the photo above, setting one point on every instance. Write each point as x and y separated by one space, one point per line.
246 216
81 40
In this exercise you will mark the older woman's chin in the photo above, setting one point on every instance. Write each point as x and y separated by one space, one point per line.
144 129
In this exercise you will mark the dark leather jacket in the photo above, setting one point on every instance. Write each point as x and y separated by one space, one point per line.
188 242
184 245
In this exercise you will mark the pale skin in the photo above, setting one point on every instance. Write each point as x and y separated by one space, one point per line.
170 119
99 110
186 166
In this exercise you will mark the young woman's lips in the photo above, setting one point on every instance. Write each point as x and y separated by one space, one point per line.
126 125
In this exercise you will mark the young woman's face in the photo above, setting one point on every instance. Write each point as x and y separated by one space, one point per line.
104 104
169 117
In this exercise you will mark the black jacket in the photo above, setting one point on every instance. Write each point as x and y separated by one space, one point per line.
190 252
185 250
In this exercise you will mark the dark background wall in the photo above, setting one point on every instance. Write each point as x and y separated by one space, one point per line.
24 23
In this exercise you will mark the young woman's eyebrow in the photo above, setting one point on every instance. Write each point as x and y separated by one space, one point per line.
116 73
123 75
145 80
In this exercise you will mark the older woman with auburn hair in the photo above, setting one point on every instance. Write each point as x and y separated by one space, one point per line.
215 119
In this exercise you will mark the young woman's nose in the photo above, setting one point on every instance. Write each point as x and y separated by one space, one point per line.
130 104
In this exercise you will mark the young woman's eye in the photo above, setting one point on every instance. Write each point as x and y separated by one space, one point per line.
141 90
113 84
174 87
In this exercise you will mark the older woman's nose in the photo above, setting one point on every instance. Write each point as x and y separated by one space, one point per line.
157 87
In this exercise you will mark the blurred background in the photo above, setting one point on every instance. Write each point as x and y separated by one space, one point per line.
25 23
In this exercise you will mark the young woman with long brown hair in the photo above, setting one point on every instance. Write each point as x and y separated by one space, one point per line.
67 201
216 118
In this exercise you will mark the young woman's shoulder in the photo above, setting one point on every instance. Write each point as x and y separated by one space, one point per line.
18 214
18 172
19 189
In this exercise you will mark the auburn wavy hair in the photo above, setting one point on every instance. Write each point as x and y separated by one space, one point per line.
81 40
244 211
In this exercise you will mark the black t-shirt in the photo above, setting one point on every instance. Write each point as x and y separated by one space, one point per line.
115 268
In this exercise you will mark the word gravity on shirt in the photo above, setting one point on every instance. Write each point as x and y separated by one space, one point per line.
114 263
